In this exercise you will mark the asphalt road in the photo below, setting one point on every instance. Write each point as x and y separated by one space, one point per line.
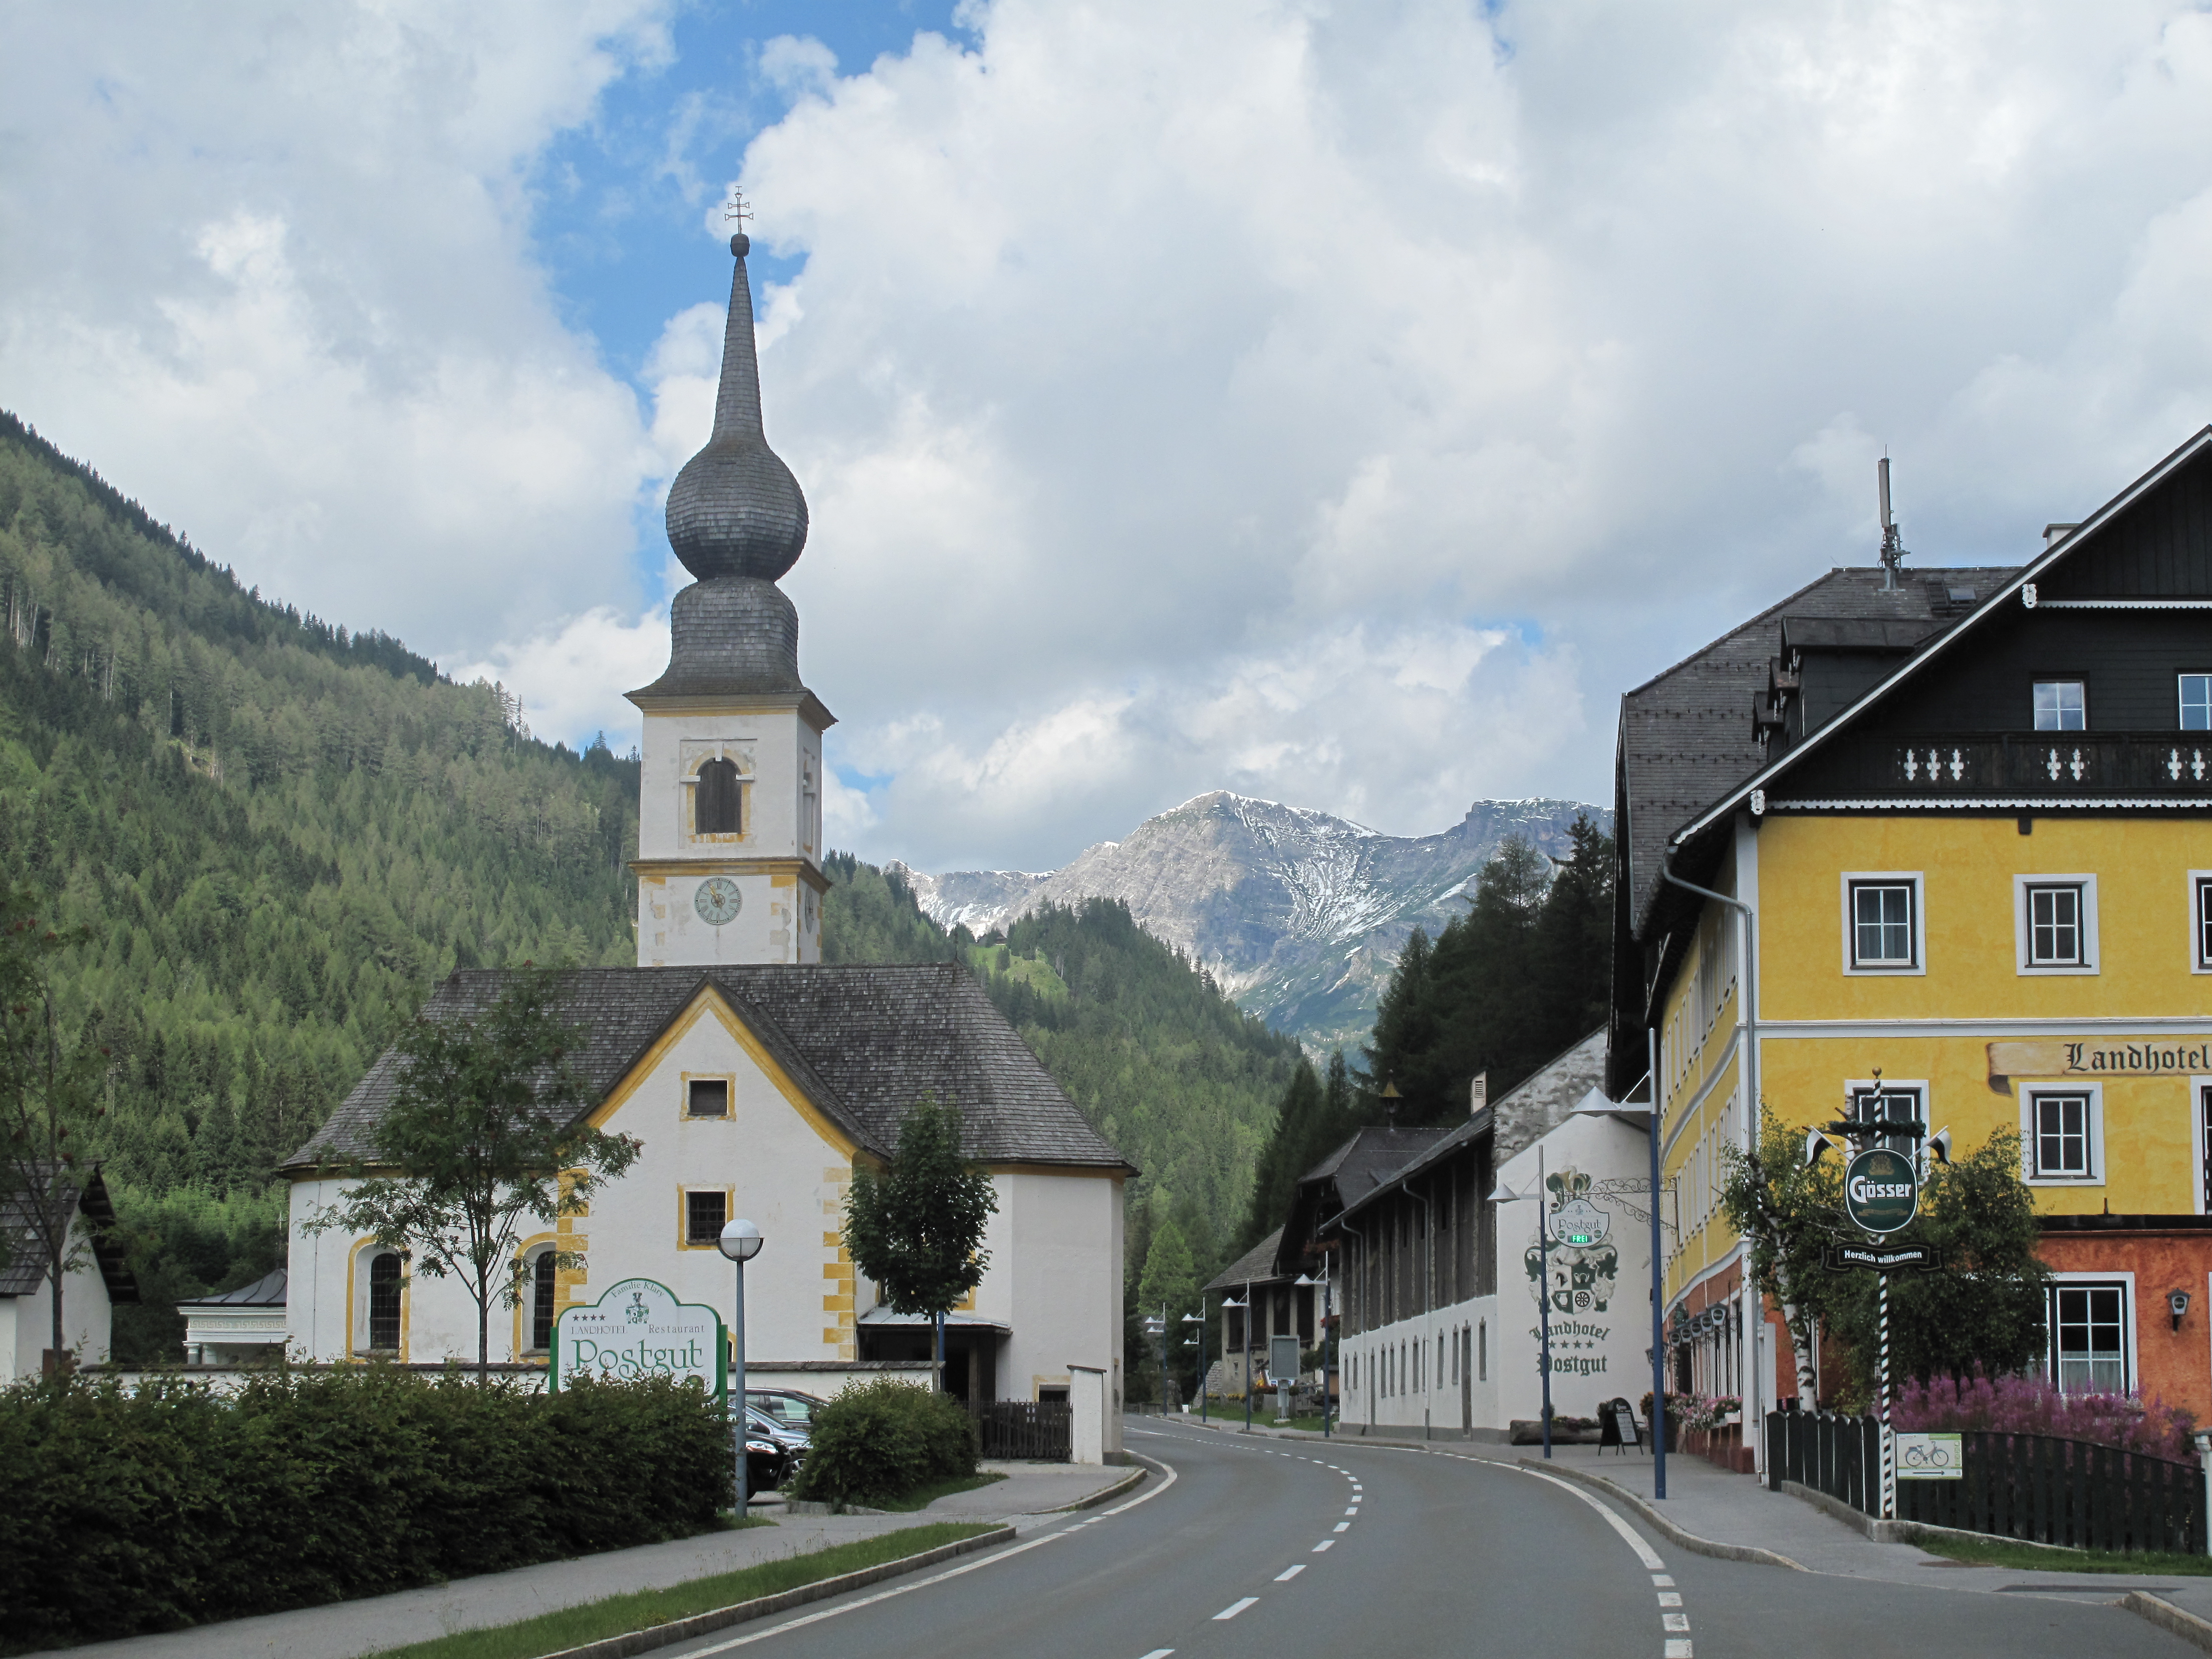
1263 1549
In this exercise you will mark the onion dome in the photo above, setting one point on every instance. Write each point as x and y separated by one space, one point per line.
735 510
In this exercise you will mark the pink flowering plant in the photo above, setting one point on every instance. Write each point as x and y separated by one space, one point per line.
1707 1411
2031 1405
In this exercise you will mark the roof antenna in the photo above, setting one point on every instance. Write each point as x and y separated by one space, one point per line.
1892 545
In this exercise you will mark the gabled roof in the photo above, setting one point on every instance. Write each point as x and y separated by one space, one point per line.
1255 1266
25 1269
862 1043
2008 594
1685 736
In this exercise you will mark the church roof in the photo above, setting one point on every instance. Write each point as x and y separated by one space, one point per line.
863 1044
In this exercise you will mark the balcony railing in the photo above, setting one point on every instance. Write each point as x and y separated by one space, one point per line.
2015 765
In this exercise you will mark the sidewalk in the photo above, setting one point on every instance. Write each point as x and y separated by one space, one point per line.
1738 1513
346 1629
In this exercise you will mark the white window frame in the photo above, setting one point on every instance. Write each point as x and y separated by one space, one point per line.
2029 1094
2197 1085
2033 711
1916 881
2125 1279
2199 963
2022 926
2181 702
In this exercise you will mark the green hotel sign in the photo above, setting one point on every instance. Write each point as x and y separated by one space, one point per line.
1880 1193
638 1329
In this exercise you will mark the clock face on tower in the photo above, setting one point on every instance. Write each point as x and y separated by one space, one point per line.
718 900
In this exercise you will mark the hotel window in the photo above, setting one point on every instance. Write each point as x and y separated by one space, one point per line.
2064 1135
544 1285
2204 1145
1881 923
2088 1338
2062 706
2196 703
384 1277
704 1214
2055 924
2200 919
707 1097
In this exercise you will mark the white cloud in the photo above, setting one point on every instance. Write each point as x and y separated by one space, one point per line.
1341 405
571 678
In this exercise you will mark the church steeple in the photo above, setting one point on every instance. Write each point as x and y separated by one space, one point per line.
735 510
729 862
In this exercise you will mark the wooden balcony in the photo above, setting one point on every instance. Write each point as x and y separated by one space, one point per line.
2011 766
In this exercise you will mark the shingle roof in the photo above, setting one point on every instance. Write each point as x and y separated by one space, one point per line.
863 1044
1255 1266
266 1291
1372 1156
24 1268
1686 734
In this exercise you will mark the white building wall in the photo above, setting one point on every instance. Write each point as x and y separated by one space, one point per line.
27 1322
1598 1352
779 759
1061 1288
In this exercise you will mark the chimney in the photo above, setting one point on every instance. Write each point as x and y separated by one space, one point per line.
2055 533
1477 1093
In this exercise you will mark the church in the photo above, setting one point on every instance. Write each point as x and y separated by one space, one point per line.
757 1078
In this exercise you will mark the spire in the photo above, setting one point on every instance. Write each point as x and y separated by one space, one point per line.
735 510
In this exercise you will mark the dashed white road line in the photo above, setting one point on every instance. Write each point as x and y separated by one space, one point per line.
1159 1653
1285 1578
1234 1608
1341 1526
1325 1544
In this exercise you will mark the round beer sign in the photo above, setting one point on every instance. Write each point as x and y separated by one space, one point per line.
1879 1193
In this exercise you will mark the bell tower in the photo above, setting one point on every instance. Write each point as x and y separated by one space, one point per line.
729 838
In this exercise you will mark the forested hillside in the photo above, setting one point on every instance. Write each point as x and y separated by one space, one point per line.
279 836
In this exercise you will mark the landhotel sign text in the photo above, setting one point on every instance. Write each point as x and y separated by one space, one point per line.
2100 1057
638 1329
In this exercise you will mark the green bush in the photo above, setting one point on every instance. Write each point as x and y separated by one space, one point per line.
876 1442
174 1506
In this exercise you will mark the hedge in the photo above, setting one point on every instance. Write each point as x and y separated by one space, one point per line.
877 1442
171 1506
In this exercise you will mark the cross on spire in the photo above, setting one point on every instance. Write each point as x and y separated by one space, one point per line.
735 211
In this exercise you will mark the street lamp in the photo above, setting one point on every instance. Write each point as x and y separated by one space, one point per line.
1157 1329
1199 1319
740 1243
1307 1281
1245 1307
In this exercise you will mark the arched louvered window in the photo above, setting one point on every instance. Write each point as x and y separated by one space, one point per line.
384 1301
543 1274
719 809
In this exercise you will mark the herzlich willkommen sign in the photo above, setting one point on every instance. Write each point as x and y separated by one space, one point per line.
638 1329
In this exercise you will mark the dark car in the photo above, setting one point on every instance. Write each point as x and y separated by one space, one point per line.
791 1411
768 1463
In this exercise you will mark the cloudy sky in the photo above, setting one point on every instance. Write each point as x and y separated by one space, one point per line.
1337 402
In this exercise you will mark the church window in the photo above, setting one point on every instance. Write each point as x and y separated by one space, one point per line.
544 1280
719 806
384 1301
704 1214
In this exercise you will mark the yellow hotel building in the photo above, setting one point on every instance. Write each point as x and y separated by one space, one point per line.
1962 816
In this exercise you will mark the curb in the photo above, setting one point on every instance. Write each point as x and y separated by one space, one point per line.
1659 1523
2197 1633
1104 1493
705 1623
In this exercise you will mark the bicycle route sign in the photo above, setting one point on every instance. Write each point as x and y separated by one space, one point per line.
1930 1457
1880 1192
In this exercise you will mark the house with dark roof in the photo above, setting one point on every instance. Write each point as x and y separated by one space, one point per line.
95 1280
1935 847
757 1080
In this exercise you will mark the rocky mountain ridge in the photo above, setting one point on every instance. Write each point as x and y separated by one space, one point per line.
1298 913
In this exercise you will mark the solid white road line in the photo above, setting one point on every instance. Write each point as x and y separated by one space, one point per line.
992 1560
1644 1550
1234 1608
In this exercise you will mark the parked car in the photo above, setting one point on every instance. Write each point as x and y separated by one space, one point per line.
790 1444
790 1410
768 1461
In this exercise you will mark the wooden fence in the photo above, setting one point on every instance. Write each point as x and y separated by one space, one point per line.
1039 1431
2028 1486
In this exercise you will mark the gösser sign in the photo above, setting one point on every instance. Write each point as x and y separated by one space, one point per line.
1879 1193
638 1329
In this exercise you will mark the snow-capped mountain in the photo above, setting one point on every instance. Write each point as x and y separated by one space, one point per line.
1299 915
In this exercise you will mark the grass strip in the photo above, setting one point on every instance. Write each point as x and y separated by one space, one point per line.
922 1497
2028 1558
617 1615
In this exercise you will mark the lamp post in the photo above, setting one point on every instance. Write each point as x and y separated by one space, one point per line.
1307 1281
1199 1319
1245 1309
740 1243
1157 1329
